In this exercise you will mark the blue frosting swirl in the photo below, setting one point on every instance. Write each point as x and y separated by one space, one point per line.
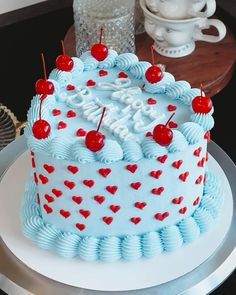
46 236
111 152
176 89
131 248
187 97
205 120
62 77
78 67
110 249
132 151
151 244
126 60
59 148
36 145
193 132
210 204
189 229
67 245
171 238
90 63
31 226
109 61
151 149
179 142
81 153
159 87
88 249
139 69
212 185
203 219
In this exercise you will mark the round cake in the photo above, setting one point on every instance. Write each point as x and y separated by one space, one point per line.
119 160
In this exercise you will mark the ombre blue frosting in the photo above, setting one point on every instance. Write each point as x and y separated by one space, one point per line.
126 60
175 90
139 69
161 86
193 132
110 249
205 120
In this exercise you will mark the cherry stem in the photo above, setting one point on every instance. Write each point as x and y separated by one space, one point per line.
100 122
152 51
44 66
63 47
101 32
201 87
41 99
170 119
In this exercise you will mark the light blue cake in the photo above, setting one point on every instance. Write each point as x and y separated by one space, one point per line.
133 197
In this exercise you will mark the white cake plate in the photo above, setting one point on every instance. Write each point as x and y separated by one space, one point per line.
119 276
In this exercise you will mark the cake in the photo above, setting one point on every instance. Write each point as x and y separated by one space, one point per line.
138 186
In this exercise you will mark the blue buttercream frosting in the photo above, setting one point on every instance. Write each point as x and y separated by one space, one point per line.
159 87
203 218
126 60
132 151
109 61
59 148
67 245
151 149
36 145
131 248
62 77
81 153
152 245
211 205
204 120
176 89
187 97
90 63
31 226
189 229
46 236
110 249
111 152
78 67
178 143
171 238
193 132
139 69
88 249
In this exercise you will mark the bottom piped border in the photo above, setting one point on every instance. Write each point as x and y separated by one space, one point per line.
110 249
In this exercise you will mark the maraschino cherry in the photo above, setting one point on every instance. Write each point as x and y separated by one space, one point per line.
99 50
202 104
43 86
153 74
162 134
63 61
94 140
41 128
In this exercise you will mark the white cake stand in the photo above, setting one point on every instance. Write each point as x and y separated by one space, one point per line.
199 281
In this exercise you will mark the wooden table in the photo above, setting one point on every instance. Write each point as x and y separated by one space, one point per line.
211 64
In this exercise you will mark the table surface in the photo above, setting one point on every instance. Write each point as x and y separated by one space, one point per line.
200 281
211 64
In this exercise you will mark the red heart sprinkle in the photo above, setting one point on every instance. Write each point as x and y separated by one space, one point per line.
91 83
32 153
112 189
99 199
140 205
177 164
197 152
77 199
171 108
122 75
199 179
64 213
177 200
35 178
43 179
115 208
151 101
70 87
201 162
47 208
38 199
56 112
69 184
88 182
84 213
149 134
207 156
158 191
73 169
172 124
204 179
195 203
104 172
56 192
183 210
81 132
155 174
61 125
48 168
207 136
32 163
162 159
102 73
184 176
135 185
107 220
161 216
80 226
135 220
50 199
131 168
71 114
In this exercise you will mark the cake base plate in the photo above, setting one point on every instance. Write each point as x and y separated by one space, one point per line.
118 276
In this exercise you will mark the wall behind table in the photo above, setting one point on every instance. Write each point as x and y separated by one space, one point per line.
10 5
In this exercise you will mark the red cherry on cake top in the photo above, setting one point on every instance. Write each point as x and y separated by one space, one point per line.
94 139
43 86
63 61
202 104
99 50
153 74
162 134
